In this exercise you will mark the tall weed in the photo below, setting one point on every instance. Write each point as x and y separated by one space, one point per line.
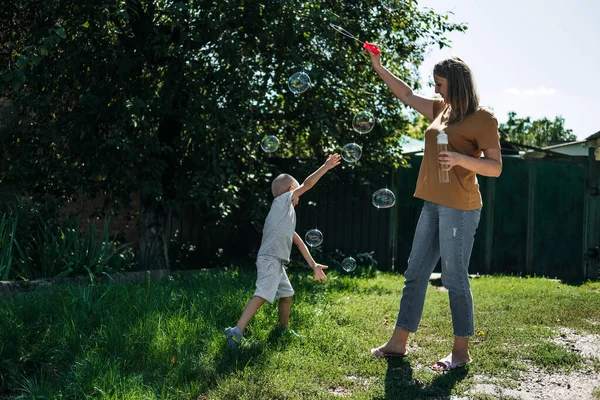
8 228
58 252
88 253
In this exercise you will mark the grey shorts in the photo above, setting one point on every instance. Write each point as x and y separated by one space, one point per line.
271 281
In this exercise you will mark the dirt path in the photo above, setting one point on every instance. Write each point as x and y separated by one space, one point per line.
536 384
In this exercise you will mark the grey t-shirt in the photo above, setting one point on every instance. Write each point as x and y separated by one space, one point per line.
279 228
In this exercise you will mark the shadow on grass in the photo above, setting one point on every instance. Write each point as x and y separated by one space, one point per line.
400 383
165 335
251 352
575 282
437 282
340 284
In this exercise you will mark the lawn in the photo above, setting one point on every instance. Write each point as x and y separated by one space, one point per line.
164 340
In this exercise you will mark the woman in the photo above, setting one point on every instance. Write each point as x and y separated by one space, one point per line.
451 211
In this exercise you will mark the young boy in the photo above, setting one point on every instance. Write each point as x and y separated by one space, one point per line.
278 234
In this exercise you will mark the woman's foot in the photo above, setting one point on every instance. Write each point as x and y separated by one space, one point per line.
452 361
388 350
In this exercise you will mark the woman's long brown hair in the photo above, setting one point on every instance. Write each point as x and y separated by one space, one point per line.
462 94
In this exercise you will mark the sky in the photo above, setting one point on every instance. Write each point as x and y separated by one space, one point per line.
539 58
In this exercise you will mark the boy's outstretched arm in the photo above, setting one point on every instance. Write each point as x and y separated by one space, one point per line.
317 268
332 161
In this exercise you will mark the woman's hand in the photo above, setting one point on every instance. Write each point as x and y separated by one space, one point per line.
449 159
489 165
375 58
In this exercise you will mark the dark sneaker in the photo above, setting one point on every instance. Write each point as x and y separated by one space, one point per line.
234 337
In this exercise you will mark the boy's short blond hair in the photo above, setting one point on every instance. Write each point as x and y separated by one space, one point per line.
282 184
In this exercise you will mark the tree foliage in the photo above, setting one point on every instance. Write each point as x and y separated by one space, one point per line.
170 99
540 132
417 127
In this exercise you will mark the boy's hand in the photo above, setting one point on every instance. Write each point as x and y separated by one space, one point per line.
319 274
333 161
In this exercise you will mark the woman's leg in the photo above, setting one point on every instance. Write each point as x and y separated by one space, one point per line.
457 234
423 259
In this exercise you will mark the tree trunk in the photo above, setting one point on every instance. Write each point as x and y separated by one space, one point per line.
153 251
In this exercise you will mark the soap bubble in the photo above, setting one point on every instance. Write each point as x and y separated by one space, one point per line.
299 82
363 122
384 198
269 144
314 238
351 152
349 264
392 5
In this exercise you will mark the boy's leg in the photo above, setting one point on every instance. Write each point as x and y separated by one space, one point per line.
285 293
235 334
266 288
285 306
251 308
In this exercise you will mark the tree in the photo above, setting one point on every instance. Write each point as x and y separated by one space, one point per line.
540 133
417 126
170 99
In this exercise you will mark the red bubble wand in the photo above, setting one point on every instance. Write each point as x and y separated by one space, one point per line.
366 45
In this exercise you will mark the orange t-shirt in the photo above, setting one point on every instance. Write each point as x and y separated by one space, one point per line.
470 136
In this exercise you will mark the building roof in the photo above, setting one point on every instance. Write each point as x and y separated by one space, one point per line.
594 136
411 145
414 146
566 144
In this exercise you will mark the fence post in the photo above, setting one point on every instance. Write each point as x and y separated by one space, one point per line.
393 226
489 224
530 218
591 216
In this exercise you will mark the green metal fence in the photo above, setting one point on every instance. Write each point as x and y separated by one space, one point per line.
591 220
532 221
540 217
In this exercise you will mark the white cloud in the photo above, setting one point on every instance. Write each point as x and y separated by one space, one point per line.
540 91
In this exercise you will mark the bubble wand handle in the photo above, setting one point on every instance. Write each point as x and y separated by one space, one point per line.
370 46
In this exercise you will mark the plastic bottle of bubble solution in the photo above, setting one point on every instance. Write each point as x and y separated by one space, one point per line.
442 145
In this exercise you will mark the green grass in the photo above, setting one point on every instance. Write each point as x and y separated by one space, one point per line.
165 340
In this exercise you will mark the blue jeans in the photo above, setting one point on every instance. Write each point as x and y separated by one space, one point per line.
447 233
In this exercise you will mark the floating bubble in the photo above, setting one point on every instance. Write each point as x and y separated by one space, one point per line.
299 82
269 144
349 264
384 198
314 238
351 152
393 5
363 122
